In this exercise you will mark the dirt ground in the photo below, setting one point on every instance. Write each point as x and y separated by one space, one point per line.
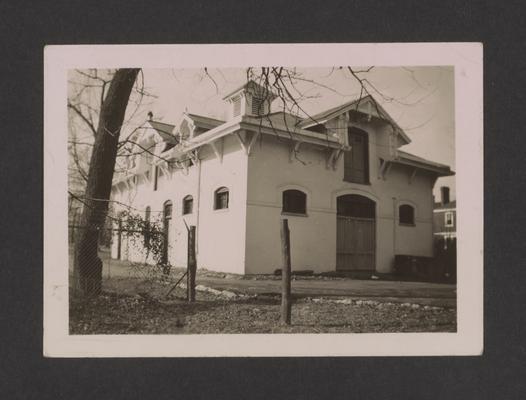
424 293
139 306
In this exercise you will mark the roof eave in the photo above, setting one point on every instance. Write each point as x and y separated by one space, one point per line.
293 133
253 124
438 170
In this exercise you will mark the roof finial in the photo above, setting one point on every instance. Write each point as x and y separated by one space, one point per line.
150 115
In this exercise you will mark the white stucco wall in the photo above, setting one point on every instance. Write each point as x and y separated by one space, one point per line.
246 237
220 233
313 238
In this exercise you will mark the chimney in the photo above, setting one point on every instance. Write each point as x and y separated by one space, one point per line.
444 195
150 115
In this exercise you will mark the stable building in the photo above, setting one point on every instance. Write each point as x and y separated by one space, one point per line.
353 198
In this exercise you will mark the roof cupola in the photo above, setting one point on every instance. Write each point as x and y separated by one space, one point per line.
250 99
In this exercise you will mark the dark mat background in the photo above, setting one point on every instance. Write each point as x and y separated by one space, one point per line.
24 30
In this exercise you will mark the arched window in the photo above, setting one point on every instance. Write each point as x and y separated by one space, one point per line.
406 215
356 161
147 213
294 201
221 198
167 211
167 216
188 205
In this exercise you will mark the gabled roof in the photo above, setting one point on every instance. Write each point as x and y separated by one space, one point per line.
165 131
374 108
206 121
281 117
412 157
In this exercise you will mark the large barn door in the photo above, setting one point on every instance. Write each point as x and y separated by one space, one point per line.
355 234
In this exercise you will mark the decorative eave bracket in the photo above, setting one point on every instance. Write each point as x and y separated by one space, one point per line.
117 187
164 168
369 111
384 169
334 155
127 184
413 174
146 177
181 165
218 148
294 149
194 156
247 142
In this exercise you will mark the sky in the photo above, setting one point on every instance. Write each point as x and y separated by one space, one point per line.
420 100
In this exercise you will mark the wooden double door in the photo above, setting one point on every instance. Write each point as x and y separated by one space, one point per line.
356 234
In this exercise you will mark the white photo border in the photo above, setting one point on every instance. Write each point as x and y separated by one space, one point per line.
467 60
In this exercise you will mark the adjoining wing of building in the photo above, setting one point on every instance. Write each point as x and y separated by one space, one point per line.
353 199
445 216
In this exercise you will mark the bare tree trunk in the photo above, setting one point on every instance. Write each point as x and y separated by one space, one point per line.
98 189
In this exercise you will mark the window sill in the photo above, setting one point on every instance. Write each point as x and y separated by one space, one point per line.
408 225
368 183
220 210
291 214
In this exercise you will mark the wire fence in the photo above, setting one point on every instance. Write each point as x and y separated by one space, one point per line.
122 249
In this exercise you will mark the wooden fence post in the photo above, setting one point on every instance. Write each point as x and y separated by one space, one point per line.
191 266
285 273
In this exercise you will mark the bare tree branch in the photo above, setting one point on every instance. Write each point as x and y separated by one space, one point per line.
86 120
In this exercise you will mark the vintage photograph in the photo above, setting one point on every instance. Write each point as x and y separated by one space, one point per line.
261 200
249 200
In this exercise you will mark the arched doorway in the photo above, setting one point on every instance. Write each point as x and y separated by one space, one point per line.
355 237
